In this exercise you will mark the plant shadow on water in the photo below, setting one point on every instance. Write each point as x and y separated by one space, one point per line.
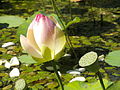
3 25
15 7
103 3
118 20
87 29
74 10
5 5
90 28
10 9
70 62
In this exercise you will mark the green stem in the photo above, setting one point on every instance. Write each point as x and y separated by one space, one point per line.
67 37
43 5
70 9
101 80
57 75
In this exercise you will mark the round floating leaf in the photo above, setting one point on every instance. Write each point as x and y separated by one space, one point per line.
88 59
113 58
13 21
78 85
20 84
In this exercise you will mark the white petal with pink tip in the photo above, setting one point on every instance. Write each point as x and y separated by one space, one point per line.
27 46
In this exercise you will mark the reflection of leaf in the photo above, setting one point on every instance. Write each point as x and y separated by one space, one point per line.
113 58
26 59
77 85
13 21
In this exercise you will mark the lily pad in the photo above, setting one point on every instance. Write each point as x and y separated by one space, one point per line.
26 59
78 85
113 58
13 21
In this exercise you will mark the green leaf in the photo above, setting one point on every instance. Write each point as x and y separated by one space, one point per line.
2 68
23 29
88 59
75 20
7 87
113 58
13 21
27 59
77 85
20 84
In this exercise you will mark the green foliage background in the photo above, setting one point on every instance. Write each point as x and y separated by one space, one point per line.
93 26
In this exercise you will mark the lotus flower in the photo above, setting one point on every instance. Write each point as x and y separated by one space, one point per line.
75 0
44 40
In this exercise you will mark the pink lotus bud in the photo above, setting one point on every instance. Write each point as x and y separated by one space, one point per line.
45 40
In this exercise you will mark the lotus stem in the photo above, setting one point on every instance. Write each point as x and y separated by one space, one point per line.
70 9
57 75
100 79
67 37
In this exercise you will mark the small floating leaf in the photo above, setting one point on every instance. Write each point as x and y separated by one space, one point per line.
26 59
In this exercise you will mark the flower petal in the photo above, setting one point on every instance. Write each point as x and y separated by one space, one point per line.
44 32
55 21
60 40
27 46
30 36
